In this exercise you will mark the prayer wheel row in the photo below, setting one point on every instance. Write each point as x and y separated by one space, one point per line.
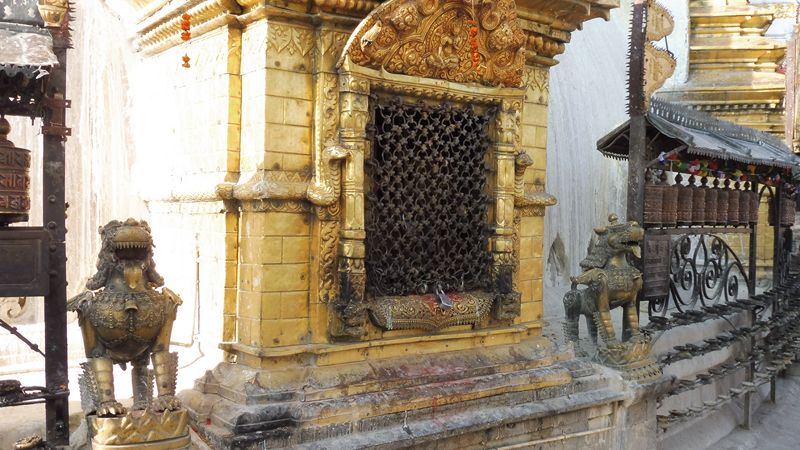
788 211
680 205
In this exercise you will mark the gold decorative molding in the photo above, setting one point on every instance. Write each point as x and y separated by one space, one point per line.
427 88
324 189
53 11
161 29
565 15
546 24
137 429
328 246
431 39
537 85
659 65
534 203
267 185
521 164
660 22
351 7
268 205
423 311
289 39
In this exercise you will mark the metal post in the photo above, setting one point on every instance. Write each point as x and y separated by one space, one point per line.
776 249
749 376
637 150
751 269
636 168
55 306
773 388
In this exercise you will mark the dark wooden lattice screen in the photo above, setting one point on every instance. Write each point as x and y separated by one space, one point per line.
426 212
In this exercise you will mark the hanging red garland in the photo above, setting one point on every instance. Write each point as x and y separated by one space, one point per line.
186 25
475 55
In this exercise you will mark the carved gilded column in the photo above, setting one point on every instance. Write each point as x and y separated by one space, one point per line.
325 188
353 117
507 304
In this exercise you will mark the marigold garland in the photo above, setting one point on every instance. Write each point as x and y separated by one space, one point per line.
186 25
475 56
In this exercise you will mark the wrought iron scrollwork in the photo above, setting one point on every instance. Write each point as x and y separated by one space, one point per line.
427 200
703 269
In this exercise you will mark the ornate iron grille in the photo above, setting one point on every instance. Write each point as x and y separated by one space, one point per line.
426 214
703 271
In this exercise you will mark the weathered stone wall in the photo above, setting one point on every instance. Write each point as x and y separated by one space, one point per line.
190 138
587 100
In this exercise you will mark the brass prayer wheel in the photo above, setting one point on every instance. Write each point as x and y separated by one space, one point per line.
15 180
787 211
669 206
653 199
685 203
744 208
711 205
698 203
722 204
755 204
733 205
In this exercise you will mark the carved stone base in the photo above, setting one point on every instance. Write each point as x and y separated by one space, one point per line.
141 430
632 359
394 402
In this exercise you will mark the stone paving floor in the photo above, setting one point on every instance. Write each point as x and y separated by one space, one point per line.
775 426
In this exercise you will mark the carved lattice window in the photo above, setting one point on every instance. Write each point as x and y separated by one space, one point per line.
427 202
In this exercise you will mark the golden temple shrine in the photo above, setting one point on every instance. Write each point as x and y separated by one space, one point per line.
361 188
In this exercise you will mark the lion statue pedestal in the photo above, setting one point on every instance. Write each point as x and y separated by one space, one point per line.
124 319
612 281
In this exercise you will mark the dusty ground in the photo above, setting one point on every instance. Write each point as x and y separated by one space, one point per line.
775 426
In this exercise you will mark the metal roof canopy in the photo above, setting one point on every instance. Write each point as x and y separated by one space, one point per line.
671 126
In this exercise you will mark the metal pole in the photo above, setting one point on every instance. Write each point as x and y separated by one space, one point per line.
751 269
55 306
637 151
776 248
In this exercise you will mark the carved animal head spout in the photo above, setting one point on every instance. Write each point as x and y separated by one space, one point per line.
126 257
625 236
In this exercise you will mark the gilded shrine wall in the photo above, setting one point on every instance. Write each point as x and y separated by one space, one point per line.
262 144
246 125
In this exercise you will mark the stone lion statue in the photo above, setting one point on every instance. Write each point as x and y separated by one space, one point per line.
611 282
124 319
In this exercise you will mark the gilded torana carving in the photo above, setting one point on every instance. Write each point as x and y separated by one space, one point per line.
436 39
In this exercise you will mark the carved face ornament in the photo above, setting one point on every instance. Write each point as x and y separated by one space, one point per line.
626 237
130 244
